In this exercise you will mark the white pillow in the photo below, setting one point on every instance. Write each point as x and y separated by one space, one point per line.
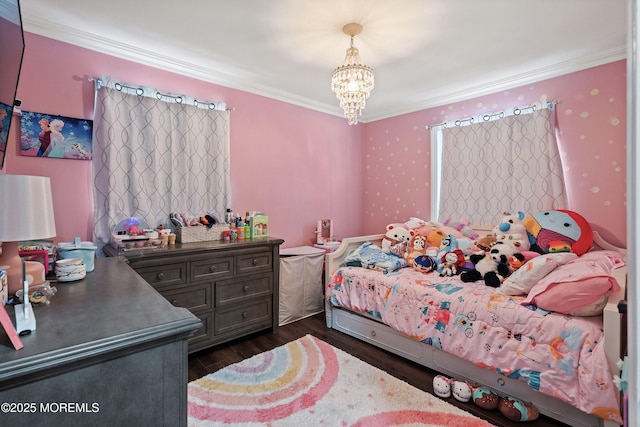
522 280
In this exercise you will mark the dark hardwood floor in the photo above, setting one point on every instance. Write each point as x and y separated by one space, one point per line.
211 360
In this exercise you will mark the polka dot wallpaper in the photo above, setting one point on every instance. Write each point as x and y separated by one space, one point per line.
591 114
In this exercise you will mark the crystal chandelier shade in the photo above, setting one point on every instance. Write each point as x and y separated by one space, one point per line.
352 82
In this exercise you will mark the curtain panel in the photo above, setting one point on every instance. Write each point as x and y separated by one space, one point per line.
508 164
155 154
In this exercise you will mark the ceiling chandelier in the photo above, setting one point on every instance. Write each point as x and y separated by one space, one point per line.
352 82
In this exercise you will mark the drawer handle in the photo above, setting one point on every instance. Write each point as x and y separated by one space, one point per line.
245 314
501 381
160 276
212 269
174 302
373 333
245 288
254 262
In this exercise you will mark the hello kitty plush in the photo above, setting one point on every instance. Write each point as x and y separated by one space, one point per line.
461 390
442 386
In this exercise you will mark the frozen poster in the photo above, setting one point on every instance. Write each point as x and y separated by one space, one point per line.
46 135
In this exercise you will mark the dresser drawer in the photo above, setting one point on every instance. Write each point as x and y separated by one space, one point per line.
235 290
254 314
164 274
211 268
202 337
254 262
195 297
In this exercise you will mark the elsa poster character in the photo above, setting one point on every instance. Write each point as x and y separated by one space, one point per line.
56 145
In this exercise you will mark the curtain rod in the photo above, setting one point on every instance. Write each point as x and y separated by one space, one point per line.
487 117
160 95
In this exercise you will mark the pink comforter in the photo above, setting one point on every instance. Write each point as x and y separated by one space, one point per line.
559 355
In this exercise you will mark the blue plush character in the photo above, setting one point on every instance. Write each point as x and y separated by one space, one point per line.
448 244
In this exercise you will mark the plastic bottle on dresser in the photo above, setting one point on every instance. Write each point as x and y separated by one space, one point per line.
247 228
240 226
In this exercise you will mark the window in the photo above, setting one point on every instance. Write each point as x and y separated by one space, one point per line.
496 163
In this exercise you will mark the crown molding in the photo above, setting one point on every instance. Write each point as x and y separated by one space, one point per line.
475 89
132 53
482 89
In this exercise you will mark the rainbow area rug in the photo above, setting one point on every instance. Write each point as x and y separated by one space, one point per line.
308 382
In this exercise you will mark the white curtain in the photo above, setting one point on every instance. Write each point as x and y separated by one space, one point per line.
156 153
499 164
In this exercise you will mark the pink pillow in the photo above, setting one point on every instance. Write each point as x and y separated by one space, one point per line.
578 284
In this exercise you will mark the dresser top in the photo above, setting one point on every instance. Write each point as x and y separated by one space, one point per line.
184 248
110 309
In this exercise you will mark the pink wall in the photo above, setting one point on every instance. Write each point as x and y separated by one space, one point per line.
300 165
288 161
592 122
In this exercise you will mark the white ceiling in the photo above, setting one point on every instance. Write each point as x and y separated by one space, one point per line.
424 52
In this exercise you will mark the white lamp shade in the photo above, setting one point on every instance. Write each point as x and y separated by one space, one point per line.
26 208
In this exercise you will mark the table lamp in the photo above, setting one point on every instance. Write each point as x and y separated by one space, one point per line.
26 213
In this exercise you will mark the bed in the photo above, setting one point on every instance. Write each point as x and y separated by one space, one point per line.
468 331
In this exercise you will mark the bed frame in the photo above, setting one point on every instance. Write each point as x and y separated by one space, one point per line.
371 330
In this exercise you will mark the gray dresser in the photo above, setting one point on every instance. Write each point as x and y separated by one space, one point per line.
108 351
232 287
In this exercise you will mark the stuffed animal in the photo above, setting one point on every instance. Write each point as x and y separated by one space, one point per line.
424 263
396 239
512 230
433 234
442 386
452 263
448 244
493 267
559 230
485 243
485 398
517 410
461 390
468 246
519 259
417 247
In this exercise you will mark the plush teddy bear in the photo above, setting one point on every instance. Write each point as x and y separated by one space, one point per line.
493 267
396 239
511 230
